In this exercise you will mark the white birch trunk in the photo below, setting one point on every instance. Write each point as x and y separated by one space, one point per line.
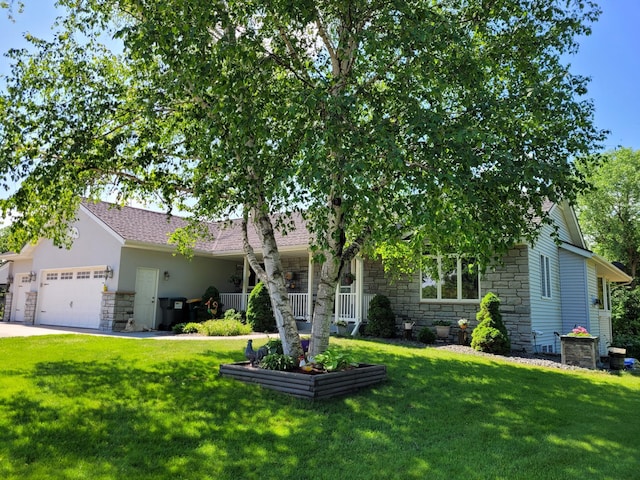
273 277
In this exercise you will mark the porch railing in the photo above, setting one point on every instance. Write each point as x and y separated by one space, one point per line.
238 301
299 303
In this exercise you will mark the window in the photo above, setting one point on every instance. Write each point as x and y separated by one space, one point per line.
545 276
458 280
51 276
604 295
83 275
98 274
66 276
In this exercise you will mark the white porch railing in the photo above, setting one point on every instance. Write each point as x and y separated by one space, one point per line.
234 300
237 301
299 303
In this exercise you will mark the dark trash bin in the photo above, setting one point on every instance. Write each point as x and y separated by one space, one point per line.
616 358
164 306
193 305
180 310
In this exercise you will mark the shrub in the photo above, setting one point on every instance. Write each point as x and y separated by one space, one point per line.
427 335
274 345
203 311
625 311
630 342
490 335
178 328
278 361
259 312
333 360
382 320
223 328
191 327
231 314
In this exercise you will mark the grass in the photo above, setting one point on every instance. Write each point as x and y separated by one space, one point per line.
83 407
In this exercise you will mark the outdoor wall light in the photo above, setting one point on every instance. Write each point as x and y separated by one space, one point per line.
166 275
32 276
108 272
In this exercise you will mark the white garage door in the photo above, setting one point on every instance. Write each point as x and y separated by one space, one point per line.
71 297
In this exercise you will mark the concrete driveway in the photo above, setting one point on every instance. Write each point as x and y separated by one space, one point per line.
8 329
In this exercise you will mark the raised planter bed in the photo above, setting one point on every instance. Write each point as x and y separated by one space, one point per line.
308 385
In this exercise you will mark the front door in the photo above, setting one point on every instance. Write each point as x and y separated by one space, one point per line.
144 305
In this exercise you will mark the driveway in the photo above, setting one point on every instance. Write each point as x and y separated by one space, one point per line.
8 329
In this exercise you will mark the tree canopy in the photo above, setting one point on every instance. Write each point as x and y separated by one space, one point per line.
380 121
610 211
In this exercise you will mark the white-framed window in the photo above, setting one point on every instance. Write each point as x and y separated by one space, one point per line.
604 294
83 275
98 274
545 276
458 280
51 276
66 275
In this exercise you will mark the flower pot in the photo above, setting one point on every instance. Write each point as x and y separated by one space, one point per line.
442 331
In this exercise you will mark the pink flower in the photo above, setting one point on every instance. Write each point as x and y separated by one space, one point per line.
580 331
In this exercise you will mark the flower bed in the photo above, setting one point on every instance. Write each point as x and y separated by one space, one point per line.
309 385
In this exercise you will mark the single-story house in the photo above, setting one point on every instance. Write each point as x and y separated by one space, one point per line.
120 265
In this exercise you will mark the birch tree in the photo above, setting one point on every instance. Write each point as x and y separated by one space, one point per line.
444 121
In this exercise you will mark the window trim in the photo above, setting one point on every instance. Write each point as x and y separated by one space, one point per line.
440 283
546 291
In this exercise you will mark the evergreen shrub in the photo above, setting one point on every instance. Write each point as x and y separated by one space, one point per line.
259 312
427 335
490 335
203 313
382 320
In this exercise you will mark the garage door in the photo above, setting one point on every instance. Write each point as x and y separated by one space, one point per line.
71 297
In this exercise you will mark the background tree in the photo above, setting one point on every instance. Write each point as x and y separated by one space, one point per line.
610 212
450 120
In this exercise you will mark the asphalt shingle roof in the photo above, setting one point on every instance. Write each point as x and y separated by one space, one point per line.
153 228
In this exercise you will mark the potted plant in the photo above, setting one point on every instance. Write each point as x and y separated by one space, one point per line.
442 328
463 323
236 280
348 278
342 327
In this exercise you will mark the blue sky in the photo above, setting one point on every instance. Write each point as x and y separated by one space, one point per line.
610 56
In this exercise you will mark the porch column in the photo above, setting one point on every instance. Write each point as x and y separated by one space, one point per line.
245 283
359 267
310 288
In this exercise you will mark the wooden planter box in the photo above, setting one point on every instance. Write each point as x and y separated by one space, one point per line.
579 351
304 385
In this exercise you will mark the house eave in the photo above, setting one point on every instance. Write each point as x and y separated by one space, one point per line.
609 271
163 248
604 268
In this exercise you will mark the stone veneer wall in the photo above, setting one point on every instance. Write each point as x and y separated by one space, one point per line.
8 303
510 281
300 267
115 310
579 351
30 308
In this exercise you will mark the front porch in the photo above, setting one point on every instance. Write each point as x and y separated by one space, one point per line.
347 307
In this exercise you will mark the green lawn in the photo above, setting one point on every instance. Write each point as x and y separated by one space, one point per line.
84 407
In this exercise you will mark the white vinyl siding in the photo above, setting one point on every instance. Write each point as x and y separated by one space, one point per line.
574 291
546 312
